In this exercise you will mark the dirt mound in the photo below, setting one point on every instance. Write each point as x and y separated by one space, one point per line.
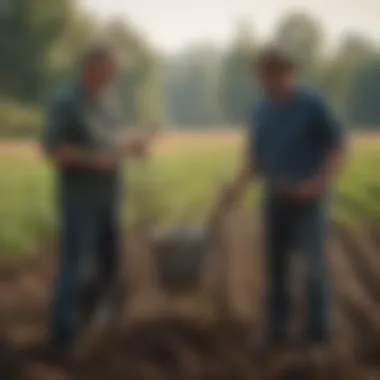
171 349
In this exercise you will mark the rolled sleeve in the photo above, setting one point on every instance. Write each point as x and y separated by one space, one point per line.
331 131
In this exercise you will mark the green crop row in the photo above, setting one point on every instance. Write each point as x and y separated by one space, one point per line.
167 190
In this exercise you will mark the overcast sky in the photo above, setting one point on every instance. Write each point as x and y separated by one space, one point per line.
170 24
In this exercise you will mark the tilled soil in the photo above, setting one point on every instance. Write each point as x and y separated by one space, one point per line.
164 338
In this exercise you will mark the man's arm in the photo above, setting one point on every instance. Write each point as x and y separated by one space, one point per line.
66 154
326 175
243 177
332 137
333 163
58 144
245 173
136 144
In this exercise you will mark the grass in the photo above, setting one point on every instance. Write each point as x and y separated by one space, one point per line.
172 188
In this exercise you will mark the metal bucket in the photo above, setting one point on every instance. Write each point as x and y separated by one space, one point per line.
180 256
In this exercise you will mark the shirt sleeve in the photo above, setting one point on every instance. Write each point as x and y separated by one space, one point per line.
331 131
58 125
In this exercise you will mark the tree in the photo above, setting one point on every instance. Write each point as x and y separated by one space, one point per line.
364 94
28 30
338 73
237 88
139 83
80 31
191 79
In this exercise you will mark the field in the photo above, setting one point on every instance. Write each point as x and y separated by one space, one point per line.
177 187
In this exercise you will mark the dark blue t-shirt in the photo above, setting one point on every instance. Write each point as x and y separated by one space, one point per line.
289 140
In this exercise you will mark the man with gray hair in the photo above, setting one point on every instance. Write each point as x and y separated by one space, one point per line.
84 141
296 144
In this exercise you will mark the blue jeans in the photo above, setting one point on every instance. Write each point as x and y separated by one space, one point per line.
288 226
88 262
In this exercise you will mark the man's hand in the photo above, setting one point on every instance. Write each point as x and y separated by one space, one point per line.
106 162
233 190
227 197
141 146
68 155
306 190
136 145
312 188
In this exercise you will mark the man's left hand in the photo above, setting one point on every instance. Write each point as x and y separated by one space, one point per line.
138 147
307 190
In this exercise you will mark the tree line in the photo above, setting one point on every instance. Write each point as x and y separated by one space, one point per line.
40 41
223 85
201 86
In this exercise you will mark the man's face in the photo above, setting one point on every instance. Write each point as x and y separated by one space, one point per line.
275 79
101 72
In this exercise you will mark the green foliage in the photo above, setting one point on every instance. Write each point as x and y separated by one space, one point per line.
40 41
139 81
348 76
27 33
338 74
79 32
237 88
191 86
364 94
26 209
19 121
169 190
201 86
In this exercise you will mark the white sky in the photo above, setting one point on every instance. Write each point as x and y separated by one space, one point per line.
170 24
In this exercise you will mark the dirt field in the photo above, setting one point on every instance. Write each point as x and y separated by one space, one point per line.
167 143
171 338
167 338
173 142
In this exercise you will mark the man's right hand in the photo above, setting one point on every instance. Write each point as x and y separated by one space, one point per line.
233 190
106 162
136 145
227 197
